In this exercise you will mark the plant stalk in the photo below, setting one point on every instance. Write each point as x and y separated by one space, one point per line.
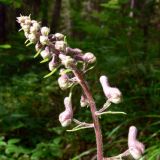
93 109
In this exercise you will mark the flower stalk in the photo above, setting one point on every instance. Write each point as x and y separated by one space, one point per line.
93 109
53 48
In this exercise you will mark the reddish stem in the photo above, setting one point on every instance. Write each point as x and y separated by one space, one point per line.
93 109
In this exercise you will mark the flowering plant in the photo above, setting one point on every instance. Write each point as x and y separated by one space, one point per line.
73 64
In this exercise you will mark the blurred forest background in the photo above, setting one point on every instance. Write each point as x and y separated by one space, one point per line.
125 37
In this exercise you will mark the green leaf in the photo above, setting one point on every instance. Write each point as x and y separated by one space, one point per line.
5 46
52 72
66 71
112 4
65 39
1 138
37 54
3 143
44 60
13 141
83 154
30 43
16 115
57 140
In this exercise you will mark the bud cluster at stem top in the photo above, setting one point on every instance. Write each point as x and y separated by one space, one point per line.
54 48
52 45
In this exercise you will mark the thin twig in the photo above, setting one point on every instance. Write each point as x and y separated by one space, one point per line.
118 157
105 106
110 112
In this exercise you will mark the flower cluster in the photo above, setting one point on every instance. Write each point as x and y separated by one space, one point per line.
53 48
51 45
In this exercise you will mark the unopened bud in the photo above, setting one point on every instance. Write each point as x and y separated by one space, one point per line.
45 31
64 121
25 27
32 38
66 117
38 47
28 22
44 40
83 101
22 19
75 52
53 63
45 53
26 34
60 45
62 71
59 36
136 148
52 37
36 25
67 61
113 94
63 82
68 103
89 57
33 29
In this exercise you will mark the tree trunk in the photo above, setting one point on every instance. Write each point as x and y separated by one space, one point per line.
44 9
56 15
2 22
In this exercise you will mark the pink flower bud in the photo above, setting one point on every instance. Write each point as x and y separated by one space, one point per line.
52 37
78 57
26 34
36 25
25 27
67 61
89 57
45 53
62 71
44 40
33 29
66 117
83 101
45 31
53 63
59 36
60 45
73 51
32 38
38 46
77 50
27 22
63 81
136 148
22 19
113 94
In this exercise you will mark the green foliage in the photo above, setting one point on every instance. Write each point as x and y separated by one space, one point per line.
5 46
10 150
48 151
112 4
14 3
